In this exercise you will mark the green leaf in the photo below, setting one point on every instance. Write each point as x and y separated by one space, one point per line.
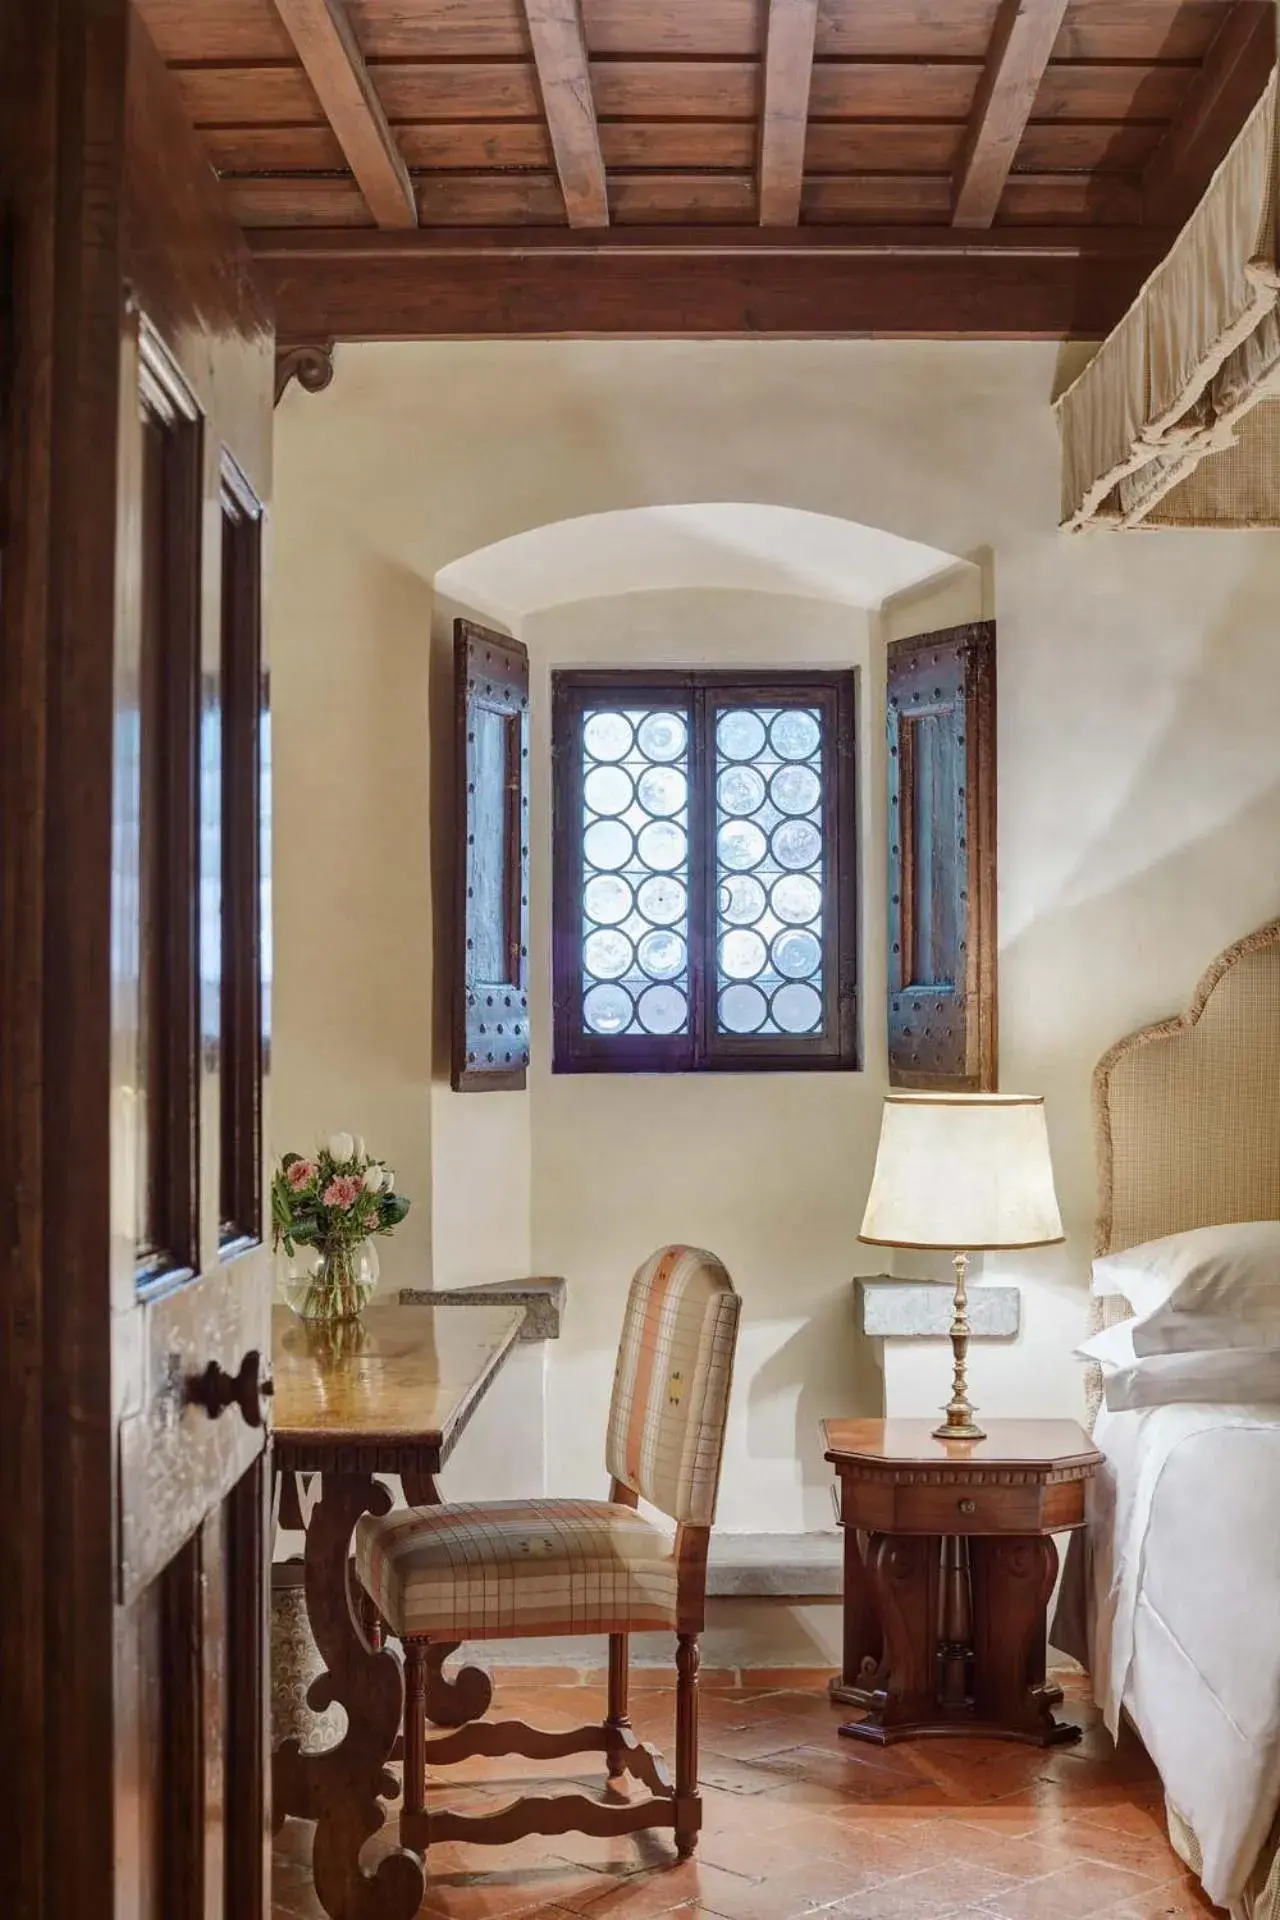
392 1208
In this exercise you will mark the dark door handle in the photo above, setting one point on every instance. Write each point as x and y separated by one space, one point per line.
215 1389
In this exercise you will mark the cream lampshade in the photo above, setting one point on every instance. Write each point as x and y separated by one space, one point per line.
968 1172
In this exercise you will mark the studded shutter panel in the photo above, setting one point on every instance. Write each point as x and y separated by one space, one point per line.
942 859
491 917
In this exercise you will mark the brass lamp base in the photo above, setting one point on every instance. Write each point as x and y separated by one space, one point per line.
960 1423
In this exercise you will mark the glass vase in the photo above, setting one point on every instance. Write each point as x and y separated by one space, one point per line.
329 1284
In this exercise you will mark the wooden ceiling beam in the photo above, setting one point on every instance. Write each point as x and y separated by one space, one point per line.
334 64
564 75
1021 45
788 70
731 282
1240 57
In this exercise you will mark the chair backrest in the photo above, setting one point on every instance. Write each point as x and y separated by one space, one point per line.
671 1388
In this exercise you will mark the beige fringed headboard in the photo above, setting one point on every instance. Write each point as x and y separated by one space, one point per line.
1187 1112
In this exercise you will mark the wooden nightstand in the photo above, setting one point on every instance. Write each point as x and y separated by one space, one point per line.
944 1621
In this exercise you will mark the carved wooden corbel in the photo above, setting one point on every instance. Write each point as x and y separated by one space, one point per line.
311 366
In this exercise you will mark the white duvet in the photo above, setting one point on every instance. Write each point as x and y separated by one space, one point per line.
1182 1568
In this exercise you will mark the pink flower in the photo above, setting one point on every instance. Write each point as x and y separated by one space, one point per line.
341 1191
301 1174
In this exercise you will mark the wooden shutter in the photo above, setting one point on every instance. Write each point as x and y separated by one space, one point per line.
942 859
491 918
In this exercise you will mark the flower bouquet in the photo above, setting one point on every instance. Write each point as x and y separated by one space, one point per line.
325 1213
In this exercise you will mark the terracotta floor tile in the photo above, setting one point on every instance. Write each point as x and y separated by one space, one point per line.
798 1821
507 1890
932 1892
800 1883
1179 1900
1077 1892
646 1896
1146 1852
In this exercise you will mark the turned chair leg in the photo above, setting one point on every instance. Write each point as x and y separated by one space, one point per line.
618 1721
415 1725
688 1799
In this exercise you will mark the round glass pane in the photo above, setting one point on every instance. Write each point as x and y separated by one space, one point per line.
607 954
794 734
661 955
662 790
662 901
661 1009
661 736
739 845
607 1010
608 790
797 1009
742 954
607 844
607 736
795 789
661 845
796 899
743 1009
606 900
740 790
796 843
796 955
742 900
740 734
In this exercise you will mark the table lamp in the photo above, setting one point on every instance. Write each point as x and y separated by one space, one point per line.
965 1173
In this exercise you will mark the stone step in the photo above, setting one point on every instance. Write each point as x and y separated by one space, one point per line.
789 1566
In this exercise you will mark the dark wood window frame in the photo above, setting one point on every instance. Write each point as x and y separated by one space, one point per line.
171 450
702 1049
241 1010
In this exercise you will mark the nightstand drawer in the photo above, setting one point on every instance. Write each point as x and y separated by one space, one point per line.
930 1508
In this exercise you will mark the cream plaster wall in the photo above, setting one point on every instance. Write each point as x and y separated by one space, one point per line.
764 1170
1139 818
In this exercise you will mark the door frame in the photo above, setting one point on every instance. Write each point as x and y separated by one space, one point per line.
62 126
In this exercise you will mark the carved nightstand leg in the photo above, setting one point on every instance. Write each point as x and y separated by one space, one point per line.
903 1573
863 1664
1012 1582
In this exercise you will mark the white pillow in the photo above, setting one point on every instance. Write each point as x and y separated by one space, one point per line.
1224 1376
1211 1287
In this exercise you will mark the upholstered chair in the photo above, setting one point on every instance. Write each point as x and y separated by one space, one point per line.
522 1568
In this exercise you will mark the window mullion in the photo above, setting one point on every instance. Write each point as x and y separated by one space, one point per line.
701 858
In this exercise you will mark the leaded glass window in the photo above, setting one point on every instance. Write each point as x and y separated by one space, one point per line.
704 910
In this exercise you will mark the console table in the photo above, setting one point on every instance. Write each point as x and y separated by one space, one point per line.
945 1606
388 1394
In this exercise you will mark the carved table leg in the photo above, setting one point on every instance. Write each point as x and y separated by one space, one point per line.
450 1703
862 1667
1013 1579
903 1573
341 1788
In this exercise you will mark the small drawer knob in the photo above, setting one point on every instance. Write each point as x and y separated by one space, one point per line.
968 1506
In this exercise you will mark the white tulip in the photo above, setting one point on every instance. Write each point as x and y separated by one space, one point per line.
373 1180
341 1147
359 1146
388 1179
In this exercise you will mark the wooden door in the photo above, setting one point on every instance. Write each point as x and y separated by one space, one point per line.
135 434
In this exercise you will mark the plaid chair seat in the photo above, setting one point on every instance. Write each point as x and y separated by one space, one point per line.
514 1568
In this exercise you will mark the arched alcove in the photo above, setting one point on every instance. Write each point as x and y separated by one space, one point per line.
721 544
598 1169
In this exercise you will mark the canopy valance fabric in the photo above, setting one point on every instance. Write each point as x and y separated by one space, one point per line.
1176 419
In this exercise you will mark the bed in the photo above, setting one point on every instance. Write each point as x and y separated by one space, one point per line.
1172 1597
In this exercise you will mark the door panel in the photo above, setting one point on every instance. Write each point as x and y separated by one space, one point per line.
190 1275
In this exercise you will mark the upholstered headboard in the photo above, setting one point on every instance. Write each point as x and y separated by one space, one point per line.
1187 1112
